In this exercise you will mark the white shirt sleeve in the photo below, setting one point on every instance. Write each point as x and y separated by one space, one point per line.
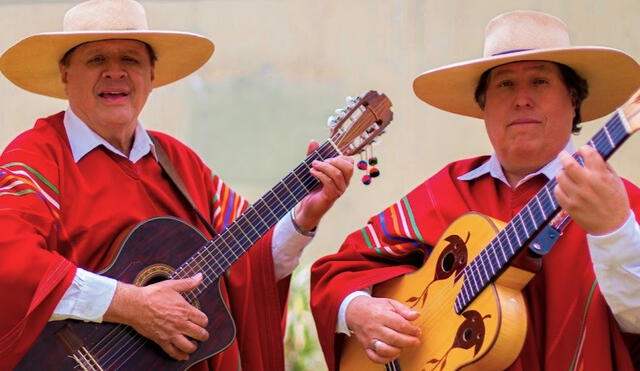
87 298
341 324
90 294
616 261
287 246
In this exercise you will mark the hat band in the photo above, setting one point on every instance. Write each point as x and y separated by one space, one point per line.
510 51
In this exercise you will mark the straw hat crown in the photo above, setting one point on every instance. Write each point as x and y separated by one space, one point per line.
32 63
523 35
523 31
114 15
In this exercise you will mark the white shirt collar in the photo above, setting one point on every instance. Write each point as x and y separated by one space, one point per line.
493 167
83 140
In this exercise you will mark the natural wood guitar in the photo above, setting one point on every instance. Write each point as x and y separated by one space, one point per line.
468 292
167 248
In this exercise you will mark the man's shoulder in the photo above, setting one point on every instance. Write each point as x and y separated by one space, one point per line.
174 148
45 138
446 179
460 167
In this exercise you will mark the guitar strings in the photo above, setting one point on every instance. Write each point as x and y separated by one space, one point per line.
121 350
603 137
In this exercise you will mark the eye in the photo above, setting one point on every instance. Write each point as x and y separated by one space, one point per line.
97 59
540 81
505 83
130 59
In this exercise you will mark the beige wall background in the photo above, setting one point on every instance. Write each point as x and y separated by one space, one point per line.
282 66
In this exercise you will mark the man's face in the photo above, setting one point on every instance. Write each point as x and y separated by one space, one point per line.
107 83
528 114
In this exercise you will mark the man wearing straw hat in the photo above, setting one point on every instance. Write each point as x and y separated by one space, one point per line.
71 184
532 88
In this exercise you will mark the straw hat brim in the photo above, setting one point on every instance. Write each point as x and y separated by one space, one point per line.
32 63
612 76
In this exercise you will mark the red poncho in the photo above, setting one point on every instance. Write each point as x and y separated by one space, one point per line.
56 214
570 325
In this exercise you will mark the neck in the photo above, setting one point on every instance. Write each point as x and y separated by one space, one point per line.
121 140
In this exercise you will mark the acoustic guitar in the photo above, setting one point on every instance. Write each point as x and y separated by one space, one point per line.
167 248
468 292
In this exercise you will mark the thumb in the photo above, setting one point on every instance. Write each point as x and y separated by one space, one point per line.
186 284
406 312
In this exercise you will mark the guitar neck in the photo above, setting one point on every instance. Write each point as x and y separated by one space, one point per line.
215 257
531 219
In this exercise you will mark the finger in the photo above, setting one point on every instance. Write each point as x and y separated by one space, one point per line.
592 159
375 357
404 310
385 350
334 169
562 197
312 146
174 352
331 183
572 169
198 317
346 166
184 345
186 284
194 331
394 337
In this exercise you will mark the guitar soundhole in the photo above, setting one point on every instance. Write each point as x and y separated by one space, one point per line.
155 279
153 274
447 262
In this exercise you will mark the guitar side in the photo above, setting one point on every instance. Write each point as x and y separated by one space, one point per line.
149 253
487 335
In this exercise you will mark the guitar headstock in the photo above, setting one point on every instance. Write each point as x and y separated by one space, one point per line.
360 122
631 111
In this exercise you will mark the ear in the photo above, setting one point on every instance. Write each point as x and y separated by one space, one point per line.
153 73
63 73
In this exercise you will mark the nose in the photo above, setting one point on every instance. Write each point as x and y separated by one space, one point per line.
113 70
523 97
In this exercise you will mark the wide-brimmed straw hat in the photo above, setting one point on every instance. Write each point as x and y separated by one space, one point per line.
611 74
32 63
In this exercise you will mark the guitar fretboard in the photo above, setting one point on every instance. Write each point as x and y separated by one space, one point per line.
213 259
530 220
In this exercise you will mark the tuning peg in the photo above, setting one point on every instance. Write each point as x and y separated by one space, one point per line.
332 121
351 100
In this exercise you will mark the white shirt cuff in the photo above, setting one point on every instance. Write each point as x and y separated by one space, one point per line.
87 298
341 325
287 246
616 261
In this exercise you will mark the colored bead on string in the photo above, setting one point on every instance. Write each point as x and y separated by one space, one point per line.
370 172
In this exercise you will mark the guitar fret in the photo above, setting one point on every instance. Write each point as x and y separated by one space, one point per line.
606 131
473 277
253 223
484 266
509 241
501 249
606 141
550 198
540 205
524 227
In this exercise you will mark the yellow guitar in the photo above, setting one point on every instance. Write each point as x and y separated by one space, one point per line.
469 291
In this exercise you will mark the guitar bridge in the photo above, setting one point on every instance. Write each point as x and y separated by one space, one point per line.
77 351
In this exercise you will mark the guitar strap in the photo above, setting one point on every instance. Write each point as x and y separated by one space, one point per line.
173 175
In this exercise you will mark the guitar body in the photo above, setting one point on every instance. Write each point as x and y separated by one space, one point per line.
149 253
487 335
